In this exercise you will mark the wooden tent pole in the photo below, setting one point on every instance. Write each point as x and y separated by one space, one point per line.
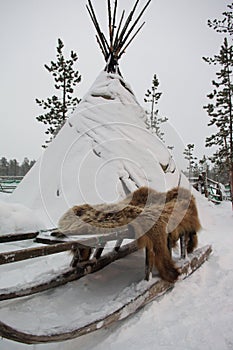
133 26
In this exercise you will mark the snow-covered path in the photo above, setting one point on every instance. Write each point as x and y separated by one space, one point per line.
196 314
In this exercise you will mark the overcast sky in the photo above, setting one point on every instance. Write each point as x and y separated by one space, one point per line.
171 44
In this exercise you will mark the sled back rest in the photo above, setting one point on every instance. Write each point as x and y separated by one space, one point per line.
53 244
93 241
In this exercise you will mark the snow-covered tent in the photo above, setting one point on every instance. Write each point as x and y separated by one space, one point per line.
104 150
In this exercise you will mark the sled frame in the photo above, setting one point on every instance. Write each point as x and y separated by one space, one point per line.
154 290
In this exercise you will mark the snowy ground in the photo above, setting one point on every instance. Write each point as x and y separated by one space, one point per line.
196 314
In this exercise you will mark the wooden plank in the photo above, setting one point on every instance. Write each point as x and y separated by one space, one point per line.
20 236
48 240
71 274
92 241
98 252
147 266
143 297
13 237
182 247
118 244
29 253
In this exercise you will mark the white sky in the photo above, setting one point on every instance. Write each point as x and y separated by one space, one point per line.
171 44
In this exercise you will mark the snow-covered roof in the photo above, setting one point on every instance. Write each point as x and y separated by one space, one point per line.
102 152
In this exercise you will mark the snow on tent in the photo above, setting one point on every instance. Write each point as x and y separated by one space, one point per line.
104 150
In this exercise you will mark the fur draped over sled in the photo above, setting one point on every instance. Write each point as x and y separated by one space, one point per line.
146 196
178 206
155 218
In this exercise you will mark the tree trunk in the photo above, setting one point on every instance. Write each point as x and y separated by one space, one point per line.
231 185
230 126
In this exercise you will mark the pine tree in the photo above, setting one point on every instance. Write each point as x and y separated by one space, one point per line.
188 153
223 157
14 168
224 25
25 166
203 164
4 166
152 96
220 109
219 171
58 107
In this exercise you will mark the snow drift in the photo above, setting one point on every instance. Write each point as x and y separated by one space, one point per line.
17 218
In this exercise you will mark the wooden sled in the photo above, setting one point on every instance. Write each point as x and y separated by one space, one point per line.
93 302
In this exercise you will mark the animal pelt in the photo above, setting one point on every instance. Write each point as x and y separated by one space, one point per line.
99 219
155 240
115 215
181 206
183 220
145 196
151 221
85 219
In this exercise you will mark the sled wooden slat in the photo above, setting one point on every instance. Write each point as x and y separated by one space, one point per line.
29 253
21 236
98 252
93 241
48 240
14 237
118 244
143 297
71 274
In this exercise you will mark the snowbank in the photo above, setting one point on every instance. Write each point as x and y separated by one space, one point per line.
17 218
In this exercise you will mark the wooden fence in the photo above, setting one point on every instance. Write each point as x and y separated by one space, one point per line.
213 190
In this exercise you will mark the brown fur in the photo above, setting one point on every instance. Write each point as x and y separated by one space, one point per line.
180 218
97 219
100 219
183 220
178 193
155 240
186 215
145 196
152 216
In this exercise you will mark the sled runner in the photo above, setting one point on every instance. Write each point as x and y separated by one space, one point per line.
93 302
